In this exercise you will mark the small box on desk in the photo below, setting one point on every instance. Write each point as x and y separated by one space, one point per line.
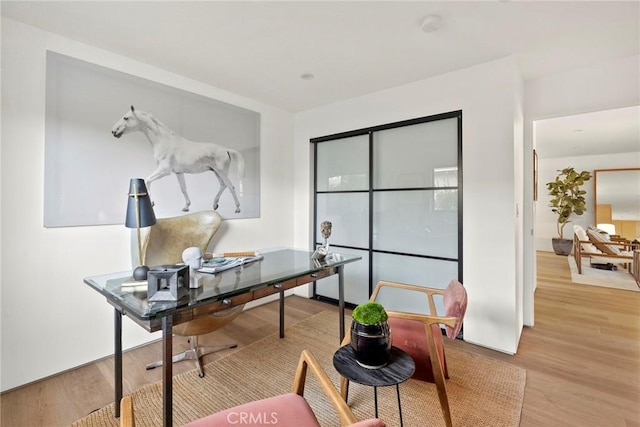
167 282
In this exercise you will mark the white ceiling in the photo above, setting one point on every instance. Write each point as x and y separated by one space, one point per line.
260 49
602 132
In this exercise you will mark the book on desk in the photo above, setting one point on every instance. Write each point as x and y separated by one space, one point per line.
223 263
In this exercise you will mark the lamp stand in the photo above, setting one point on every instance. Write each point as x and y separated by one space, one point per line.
140 272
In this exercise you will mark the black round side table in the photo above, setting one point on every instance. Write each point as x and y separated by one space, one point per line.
399 369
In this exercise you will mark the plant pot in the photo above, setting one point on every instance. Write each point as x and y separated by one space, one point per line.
371 344
562 246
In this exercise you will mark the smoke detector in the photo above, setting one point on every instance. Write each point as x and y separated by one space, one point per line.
431 23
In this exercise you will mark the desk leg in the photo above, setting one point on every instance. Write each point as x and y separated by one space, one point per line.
117 355
281 307
167 371
341 300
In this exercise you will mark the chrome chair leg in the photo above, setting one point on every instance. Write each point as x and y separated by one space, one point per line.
194 352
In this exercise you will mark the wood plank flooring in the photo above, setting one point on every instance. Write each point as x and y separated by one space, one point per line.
582 359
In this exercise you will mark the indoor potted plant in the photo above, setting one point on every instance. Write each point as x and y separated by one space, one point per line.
371 335
566 199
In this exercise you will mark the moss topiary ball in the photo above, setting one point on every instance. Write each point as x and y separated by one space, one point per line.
369 313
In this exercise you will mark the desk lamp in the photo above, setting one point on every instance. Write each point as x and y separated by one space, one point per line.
139 214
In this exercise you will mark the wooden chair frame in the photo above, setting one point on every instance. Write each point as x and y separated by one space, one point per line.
428 320
306 362
636 266
579 253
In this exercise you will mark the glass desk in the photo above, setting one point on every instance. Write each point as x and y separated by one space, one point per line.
275 273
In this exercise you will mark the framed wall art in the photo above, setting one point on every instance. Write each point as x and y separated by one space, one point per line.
104 127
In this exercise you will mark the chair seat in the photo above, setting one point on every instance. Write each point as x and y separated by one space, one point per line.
285 410
410 336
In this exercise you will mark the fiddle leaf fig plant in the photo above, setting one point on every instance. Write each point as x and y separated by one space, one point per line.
369 313
566 196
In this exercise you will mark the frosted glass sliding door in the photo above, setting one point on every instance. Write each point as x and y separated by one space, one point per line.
349 216
406 157
406 222
343 165
393 193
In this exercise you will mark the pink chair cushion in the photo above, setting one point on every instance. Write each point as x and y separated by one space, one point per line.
410 336
285 410
455 305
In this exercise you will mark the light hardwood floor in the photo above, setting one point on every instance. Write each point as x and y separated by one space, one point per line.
582 359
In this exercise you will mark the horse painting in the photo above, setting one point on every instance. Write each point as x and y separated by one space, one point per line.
178 155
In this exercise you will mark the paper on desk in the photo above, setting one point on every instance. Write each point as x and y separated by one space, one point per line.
219 264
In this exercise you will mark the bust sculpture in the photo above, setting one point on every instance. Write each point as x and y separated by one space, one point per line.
325 230
322 251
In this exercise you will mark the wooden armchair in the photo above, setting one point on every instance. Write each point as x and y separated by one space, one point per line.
420 335
596 249
285 410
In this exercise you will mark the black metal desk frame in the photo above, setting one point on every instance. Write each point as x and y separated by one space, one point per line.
285 269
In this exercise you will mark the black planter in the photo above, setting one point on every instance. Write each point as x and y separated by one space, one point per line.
371 343
562 246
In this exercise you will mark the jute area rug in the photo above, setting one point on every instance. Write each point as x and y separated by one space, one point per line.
620 279
482 391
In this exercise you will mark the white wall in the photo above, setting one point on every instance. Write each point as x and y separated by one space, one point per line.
604 86
487 95
51 320
608 85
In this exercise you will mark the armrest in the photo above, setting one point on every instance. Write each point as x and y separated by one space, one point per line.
307 360
126 412
424 318
373 422
595 256
429 292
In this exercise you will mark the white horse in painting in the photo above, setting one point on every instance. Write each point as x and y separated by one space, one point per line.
178 155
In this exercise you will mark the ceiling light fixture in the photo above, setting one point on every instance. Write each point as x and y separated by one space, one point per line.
431 23
307 76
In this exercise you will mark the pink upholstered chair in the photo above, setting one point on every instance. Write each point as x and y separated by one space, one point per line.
420 335
288 410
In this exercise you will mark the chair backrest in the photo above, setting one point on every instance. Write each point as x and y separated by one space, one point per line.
165 241
455 305
454 298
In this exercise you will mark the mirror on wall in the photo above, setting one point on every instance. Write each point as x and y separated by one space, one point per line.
617 200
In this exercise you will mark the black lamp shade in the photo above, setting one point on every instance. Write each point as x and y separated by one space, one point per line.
138 188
